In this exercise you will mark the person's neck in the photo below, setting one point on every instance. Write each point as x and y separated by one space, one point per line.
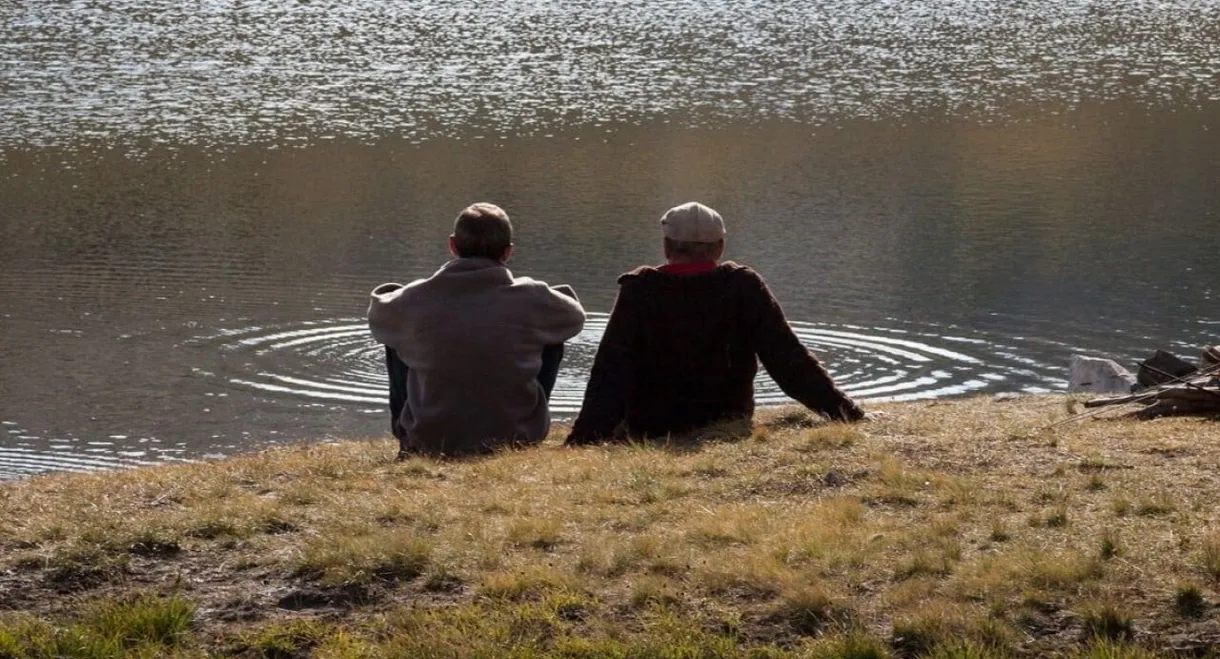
683 260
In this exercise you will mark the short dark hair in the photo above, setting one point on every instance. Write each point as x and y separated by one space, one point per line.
482 231
691 250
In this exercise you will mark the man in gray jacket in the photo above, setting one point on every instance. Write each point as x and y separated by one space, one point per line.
465 347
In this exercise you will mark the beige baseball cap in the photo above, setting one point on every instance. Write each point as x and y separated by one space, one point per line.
693 222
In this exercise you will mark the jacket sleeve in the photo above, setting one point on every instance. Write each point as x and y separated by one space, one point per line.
561 317
796 370
610 379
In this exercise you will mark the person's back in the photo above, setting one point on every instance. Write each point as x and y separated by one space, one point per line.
684 340
471 339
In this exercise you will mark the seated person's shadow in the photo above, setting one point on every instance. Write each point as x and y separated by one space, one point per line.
692 441
794 419
722 432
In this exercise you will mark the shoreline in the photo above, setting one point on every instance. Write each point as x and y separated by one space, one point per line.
958 528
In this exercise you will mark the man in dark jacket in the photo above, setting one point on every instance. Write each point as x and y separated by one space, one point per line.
683 343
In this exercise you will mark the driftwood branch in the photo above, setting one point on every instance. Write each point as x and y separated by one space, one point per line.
1178 390
1176 393
1176 408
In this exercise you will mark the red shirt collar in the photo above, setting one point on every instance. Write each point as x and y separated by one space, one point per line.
689 267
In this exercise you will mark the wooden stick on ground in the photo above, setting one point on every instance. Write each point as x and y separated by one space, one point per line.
1101 404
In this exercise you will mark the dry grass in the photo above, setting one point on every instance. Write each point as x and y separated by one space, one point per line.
946 529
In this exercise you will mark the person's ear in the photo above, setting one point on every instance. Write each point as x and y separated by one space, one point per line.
665 248
719 249
453 246
508 252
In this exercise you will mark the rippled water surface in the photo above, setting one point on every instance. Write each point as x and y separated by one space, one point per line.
948 197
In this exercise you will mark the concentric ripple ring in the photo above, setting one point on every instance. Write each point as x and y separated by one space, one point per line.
338 361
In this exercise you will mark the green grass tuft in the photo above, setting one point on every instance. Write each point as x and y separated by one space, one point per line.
284 640
148 619
1109 547
965 650
144 626
853 645
388 556
542 534
1159 504
1189 601
1106 622
924 564
809 611
526 584
1209 555
1104 649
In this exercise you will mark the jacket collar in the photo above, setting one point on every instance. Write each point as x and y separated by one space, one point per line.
689 267
464 265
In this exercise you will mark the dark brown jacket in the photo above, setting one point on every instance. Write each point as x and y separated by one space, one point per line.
681 351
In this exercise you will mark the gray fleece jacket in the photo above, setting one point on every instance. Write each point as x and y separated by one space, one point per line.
472 336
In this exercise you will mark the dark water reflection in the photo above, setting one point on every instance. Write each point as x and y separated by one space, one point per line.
947 197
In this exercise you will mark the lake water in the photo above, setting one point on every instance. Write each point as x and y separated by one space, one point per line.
948 196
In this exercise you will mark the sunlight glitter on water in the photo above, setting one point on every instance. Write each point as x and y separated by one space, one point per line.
266 71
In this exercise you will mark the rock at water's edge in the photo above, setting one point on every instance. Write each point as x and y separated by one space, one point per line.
1101 376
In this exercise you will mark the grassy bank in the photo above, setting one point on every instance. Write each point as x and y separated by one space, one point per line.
946 529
